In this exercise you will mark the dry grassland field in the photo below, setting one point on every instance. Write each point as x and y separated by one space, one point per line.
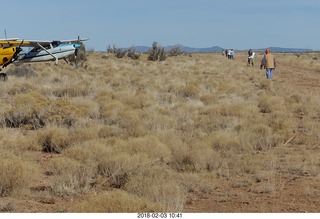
193 133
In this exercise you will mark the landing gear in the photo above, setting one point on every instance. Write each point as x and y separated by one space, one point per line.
3 77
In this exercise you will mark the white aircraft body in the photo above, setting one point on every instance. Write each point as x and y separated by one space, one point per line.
50 50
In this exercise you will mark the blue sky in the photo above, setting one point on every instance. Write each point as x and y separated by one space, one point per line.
239 24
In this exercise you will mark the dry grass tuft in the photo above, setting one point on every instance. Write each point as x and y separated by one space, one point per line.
72 176
16 175
158 185
116 201
54 139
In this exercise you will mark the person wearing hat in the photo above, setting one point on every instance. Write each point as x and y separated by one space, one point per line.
269 63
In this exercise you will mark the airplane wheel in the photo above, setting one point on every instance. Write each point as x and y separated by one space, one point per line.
3 76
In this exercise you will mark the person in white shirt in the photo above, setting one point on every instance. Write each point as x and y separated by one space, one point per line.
250 57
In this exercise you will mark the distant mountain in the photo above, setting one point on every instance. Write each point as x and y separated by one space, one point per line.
216 49
192 49
289 50
182 48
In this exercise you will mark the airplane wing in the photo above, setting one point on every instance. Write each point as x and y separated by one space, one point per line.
37 43
74 40
8 43
10 39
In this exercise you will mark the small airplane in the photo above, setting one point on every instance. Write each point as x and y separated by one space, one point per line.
50 50
9 51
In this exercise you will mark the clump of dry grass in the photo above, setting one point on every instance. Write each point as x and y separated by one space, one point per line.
72 176
19 88
159 186
16 175
81 88
64 112
27 111
151 146
116 201
54 139
23 71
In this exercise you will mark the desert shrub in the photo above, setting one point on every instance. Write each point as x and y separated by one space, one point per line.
208 99
111 164
116 167
115 113
111 131
151 146
116 201
81 134
91 152
266 85
80 55
158 185
196 158
74 90
268 104
117 52
223 142
282 126
140 100
33 111
175 51
16 175
199 184
54 139
156 53
131 122
23 71
27 110
7 207
153 52
162 54
109 111
189 90
16 140
71 176
132 53
64 112
110 49
21 88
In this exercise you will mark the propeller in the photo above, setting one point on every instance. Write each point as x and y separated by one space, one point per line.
18 50
15 55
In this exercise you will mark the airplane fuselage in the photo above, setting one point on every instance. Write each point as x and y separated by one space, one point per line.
49 54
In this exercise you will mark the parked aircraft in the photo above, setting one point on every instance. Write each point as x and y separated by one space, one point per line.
50 50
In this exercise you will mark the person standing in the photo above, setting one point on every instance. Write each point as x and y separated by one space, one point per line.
268 62
230 54
250 57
